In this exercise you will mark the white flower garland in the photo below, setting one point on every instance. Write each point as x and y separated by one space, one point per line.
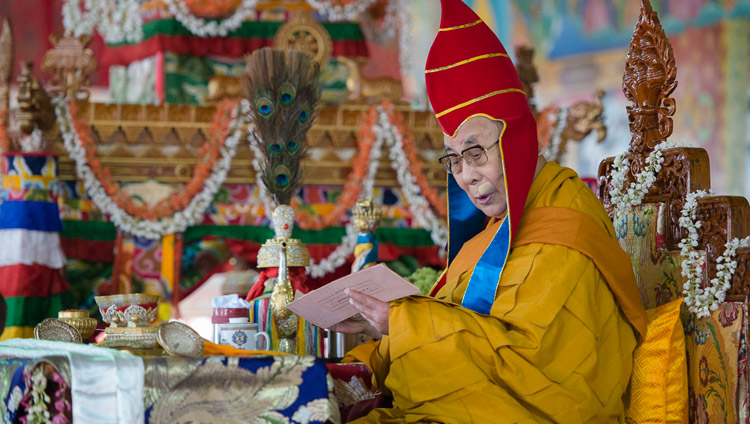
726 267
349 241
35 142
698 300
405 44
339 12
116 20
561 120
418 205
150 229
76 22
205 28
643 181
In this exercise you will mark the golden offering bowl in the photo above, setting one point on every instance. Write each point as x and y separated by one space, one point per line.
73 313
80 320
128 310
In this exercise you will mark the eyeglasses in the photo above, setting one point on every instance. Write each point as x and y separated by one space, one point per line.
474 156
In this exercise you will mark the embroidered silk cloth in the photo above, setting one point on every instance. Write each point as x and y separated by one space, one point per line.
106 384
218 389
268 389
716 345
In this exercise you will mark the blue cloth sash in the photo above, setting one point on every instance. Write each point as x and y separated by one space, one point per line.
480 293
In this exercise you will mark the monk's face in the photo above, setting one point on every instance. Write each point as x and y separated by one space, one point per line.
485 184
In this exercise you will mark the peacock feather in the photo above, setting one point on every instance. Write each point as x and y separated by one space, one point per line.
284 91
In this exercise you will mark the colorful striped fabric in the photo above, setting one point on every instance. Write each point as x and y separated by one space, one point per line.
168 35
31 258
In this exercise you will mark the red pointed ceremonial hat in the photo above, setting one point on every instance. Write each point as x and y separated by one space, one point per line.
468 74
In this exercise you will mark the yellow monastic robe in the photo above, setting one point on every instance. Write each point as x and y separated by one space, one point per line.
556 347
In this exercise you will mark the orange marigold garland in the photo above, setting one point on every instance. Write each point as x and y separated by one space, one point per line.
360 163
353 185
415 164
208 155
188 206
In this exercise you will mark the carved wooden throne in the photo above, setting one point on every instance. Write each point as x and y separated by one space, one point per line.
650 232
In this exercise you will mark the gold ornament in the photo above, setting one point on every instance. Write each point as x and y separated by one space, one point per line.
296 252
366 216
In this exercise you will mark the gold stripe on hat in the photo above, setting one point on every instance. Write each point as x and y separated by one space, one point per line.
467 103
464 62
460 26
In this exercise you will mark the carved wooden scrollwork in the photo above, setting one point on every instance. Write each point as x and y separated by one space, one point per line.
6 62
70 61
527 73
722 219
649 80
684 170
35 107
740 281
6 67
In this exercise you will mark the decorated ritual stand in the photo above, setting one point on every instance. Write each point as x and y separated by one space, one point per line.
685 242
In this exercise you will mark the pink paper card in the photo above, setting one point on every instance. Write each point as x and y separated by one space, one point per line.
329 304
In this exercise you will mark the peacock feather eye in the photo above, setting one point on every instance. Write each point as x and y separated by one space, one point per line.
276 148
292 146
288 94
281 176
265 107
304 115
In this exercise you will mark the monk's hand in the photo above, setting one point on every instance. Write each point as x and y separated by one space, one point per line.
373 310
357 325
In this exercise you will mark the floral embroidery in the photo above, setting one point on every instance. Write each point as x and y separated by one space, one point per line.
728 314
703 371
701 413
663 295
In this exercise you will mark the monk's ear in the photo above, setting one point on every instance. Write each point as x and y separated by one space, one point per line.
500 127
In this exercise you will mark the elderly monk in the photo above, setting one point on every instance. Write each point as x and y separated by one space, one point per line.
537 315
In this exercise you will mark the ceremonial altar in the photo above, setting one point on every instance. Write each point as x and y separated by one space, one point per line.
88 384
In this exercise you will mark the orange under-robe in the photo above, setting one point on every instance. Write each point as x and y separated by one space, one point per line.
556 347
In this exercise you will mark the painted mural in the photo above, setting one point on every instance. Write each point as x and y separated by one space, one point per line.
578 42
